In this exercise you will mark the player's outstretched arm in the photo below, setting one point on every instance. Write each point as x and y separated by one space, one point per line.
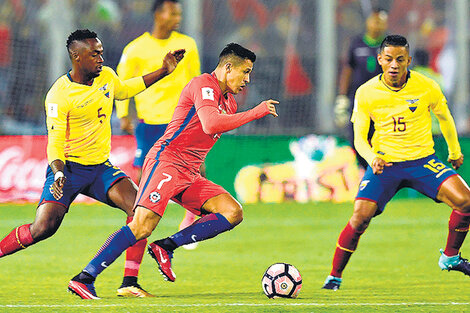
170 61
57 167
214 122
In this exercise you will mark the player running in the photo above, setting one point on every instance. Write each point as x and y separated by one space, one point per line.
78 111
402 154
171 169
155 106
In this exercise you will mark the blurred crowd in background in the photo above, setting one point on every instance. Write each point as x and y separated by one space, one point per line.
283 33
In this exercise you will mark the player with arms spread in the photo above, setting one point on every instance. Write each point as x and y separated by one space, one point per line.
402 154
78 110
171 170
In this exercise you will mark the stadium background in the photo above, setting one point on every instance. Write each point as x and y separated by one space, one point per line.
299 44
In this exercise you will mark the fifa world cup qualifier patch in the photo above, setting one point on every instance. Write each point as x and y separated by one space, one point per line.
154 197
207 93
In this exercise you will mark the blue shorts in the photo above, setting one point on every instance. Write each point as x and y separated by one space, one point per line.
91 180
146 135
425 175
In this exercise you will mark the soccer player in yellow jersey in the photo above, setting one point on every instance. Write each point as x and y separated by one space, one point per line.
401 154
78 110
155 106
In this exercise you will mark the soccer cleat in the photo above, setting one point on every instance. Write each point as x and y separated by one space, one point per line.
332 283
454 263
163 258
83 290
133 291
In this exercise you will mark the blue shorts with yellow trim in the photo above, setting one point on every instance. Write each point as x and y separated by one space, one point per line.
425 175
146 135
91 180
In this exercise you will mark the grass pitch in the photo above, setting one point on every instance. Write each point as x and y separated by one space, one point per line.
394 269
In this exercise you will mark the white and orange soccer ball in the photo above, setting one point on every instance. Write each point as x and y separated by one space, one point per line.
281 280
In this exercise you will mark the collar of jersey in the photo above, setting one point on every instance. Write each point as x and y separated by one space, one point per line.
391 88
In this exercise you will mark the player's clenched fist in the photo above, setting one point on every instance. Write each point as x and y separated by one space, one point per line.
456 163
271 106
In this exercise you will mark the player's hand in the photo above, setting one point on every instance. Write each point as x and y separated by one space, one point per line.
127 126
271 106
456 163
56 187
342 115
172 59
378 166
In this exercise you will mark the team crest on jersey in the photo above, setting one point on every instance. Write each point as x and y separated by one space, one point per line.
104 87
363 184
221 110
411 102
154 197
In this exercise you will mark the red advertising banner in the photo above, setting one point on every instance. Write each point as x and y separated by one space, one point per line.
23 165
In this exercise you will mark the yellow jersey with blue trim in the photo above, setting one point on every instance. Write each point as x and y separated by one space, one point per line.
402 119
144 55
78 116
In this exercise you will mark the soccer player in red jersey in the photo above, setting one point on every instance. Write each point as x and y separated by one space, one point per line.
206 109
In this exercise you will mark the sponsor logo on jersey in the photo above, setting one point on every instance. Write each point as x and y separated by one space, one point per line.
154 197
363 184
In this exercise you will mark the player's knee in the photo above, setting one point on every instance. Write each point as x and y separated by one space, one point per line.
43 229
141 230
234 214
462 202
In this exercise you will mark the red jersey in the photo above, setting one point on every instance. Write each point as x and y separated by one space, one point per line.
202 114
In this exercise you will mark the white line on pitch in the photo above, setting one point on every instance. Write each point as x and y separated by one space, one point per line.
229 304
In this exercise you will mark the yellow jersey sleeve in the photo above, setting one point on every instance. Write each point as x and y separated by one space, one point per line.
446 123
57 109
361 123
124 89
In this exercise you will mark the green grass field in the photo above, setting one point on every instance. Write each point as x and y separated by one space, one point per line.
394 270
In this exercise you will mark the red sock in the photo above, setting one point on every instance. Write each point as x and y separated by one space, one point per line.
134 255
458 229
19 238
347 243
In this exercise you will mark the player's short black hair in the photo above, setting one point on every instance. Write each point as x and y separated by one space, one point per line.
234 49
158 4
79 35
394 41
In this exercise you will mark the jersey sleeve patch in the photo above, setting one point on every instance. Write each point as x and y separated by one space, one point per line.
52 109
207 93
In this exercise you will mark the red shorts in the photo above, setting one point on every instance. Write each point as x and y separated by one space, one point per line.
162 181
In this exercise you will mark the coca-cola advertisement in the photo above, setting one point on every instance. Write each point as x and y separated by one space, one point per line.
23 164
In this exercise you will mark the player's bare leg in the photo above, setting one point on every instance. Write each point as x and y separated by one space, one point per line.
190 217
123 194
348 240
49 216
224 213
456 194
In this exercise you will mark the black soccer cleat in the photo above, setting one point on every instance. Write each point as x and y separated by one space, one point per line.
332 283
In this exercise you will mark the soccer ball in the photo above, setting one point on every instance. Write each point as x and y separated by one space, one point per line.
281 280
